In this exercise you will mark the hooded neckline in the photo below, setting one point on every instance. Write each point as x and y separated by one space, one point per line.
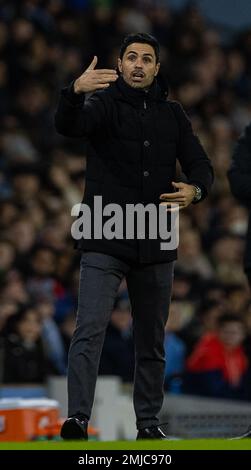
121 90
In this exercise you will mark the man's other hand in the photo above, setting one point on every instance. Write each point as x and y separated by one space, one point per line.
183 196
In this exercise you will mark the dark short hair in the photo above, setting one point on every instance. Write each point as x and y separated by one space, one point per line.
143 38
229 318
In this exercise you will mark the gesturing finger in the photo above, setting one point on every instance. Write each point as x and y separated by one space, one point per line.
93 63
171 195
102 85
105 79
180 199
105 71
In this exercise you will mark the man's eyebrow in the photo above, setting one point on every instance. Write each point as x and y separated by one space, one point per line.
136 53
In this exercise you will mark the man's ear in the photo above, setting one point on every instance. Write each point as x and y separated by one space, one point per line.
120 65
157 69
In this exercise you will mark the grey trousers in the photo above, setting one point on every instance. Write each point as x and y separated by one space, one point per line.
149 288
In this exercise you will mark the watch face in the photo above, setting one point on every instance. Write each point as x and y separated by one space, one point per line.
197 196
198 193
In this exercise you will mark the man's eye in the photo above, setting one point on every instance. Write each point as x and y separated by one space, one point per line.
131 57
147 59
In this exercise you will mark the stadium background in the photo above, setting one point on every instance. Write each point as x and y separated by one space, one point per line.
44 45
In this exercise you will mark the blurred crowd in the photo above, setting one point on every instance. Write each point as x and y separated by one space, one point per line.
44 45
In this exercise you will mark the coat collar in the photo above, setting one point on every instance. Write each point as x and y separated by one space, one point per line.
122 91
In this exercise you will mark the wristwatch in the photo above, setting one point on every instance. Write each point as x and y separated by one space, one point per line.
198 193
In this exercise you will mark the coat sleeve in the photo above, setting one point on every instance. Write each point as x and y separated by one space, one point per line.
77 116
239 173
193 159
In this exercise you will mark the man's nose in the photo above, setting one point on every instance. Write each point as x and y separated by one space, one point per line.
139 63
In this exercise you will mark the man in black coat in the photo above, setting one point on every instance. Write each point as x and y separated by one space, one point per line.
136 136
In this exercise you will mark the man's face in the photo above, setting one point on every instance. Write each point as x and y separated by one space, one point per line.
138 65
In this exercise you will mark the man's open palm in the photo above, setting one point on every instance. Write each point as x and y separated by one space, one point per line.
94 79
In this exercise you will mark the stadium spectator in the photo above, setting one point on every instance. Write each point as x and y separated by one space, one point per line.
218 364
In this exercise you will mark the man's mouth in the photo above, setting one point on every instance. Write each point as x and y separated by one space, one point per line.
138 75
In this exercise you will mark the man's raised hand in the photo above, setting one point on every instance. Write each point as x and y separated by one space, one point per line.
94 79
